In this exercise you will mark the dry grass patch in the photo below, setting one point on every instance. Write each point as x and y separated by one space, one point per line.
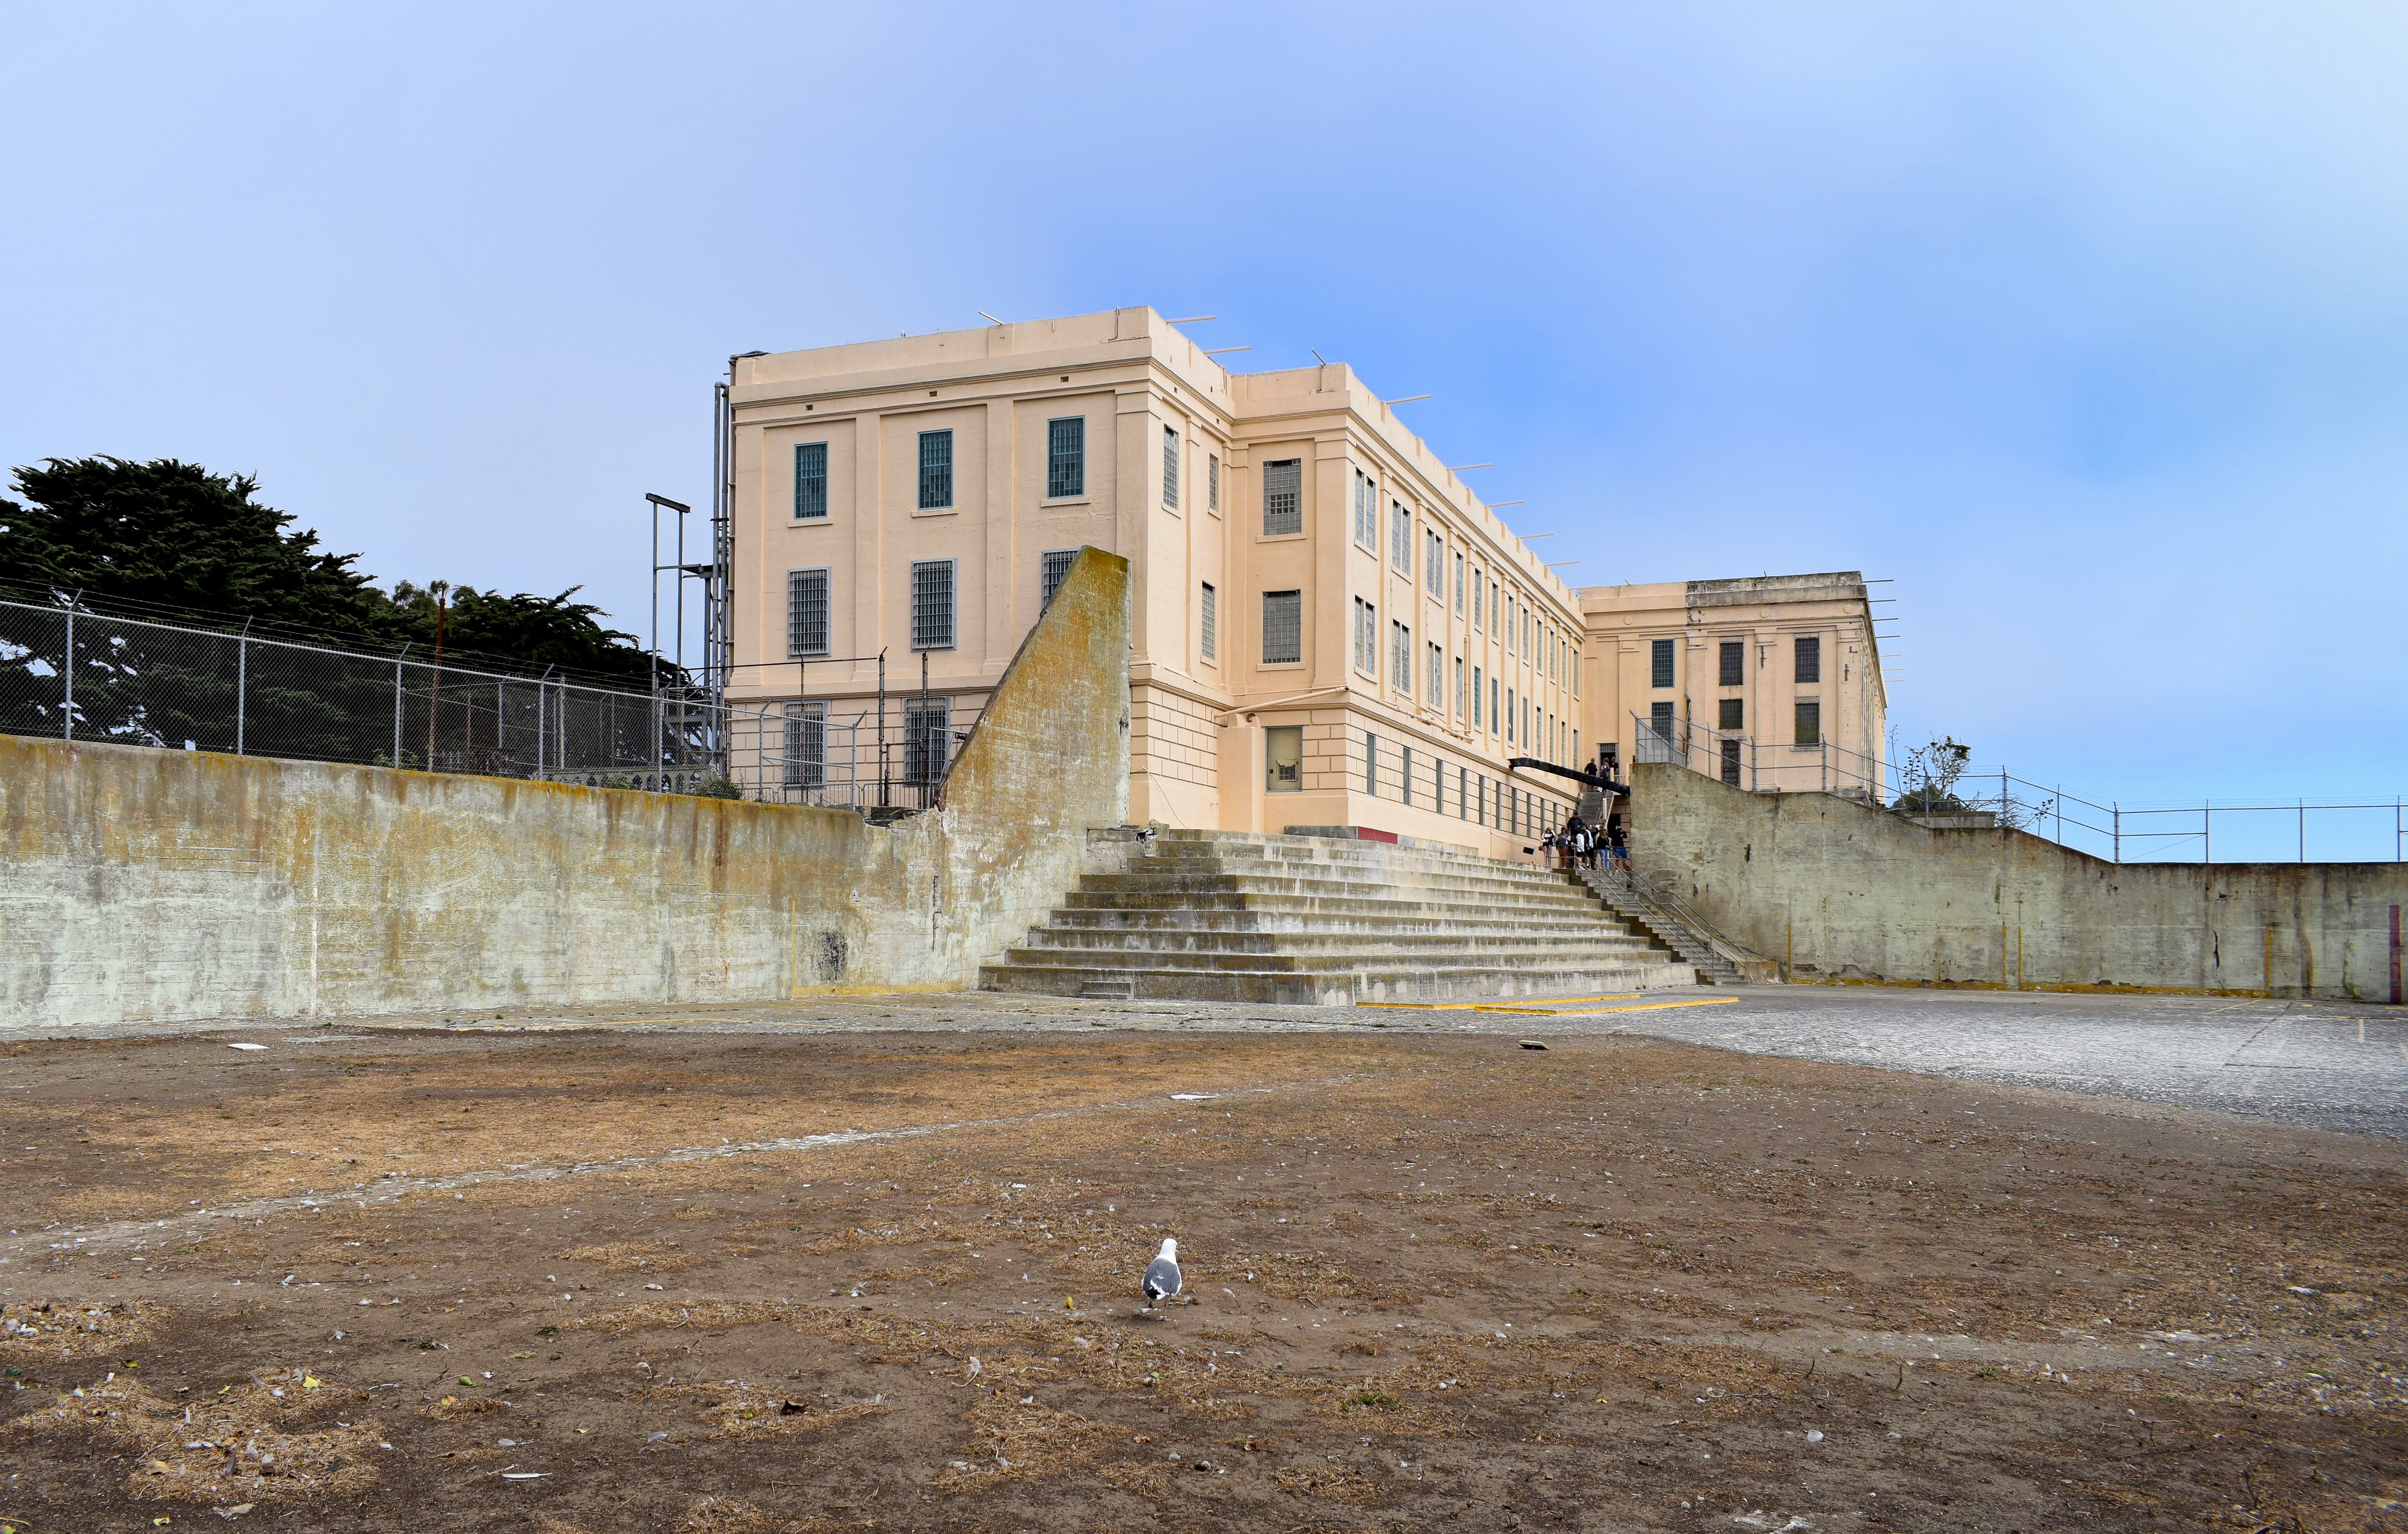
647 1256
747 1413
39 1330
1012 1440
243 1445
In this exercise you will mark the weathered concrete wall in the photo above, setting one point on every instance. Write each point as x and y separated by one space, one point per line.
1836 891
137 883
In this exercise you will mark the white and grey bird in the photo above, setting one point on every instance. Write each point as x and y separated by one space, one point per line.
1162 1274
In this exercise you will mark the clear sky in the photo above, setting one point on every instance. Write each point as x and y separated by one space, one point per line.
2087 324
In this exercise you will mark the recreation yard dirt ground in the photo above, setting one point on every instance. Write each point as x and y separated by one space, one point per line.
595 1279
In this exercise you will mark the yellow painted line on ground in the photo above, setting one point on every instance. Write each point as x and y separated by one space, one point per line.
1471 1006
1641 1007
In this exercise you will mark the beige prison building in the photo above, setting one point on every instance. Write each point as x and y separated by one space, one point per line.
1329 627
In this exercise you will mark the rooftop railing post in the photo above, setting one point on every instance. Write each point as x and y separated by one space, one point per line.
2117 811
241 682
2303 830
67 719
2206 833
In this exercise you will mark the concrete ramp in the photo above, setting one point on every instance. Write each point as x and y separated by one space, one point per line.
1315 920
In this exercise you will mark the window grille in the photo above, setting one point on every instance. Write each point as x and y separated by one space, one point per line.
1400 537
936 470
1405 781
1458 687
1493 715
810 481
1509 713
1283 627
1809 658
1171 466
1462 778
807 612
1434 562
1659 667
1371 764
1730 762
1400 658
1659 719
806 744
1733 715
1066 457
1054 569
1734 669
1809 723
1213 481
1437 693
1458 587
1476 579
932 604
928 739
1283 496
1208 607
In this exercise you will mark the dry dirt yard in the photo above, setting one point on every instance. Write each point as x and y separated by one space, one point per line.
585 1279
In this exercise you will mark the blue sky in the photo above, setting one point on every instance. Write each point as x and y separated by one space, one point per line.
2086 324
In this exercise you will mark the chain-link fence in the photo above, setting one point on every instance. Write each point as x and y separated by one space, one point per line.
66 673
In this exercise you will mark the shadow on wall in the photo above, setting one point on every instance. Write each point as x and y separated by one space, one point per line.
1839 891
143 884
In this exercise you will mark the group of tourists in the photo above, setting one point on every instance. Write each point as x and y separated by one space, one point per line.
1581 845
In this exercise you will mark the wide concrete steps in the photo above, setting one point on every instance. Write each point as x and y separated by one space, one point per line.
1228 916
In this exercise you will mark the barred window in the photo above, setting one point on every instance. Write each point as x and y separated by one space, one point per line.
928 739
1400 537
1207 605
1171 466
1494 714
1809 658
1213 481
1660 663
1405 772
1400 658
1053 569
1283 496
1476 579
1367 518
1659 718
807 612
1734 666
936 470
1734 715
1066 457
1437 693
806 744
1475 698
1509 713
810 481
1809 723
932 604
1366 637
1459 586
1434 562
1458 687
1371 764
1283 627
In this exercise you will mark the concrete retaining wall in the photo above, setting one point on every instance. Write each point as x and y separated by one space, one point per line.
146 884
1833 890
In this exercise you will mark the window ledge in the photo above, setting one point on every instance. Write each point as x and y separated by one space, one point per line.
1281 538
938 511
1067 500
810 522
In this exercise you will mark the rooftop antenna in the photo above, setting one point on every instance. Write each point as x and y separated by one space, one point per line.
988 318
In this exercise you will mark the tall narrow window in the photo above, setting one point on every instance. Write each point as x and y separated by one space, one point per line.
1734 663
936 470
1366 517
1213 481
1809 723
1509 713
1400 537
1475 598
1810 657
1437 693
1066 457
1434 562
806 744
807 613
1660 663
810 481
1366 637
1462 781
1283 627
1458 687
1282 497
1459 586
928 739
1405 772
1734 715
1171 466
1400 658
1207 610
1659 719
1371 764
1475 698
1053 569
932 604
1494 713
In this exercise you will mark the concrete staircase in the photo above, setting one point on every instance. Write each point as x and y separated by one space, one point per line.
1315 920
1716 963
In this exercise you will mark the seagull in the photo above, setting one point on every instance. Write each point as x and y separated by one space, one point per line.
1162 1274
